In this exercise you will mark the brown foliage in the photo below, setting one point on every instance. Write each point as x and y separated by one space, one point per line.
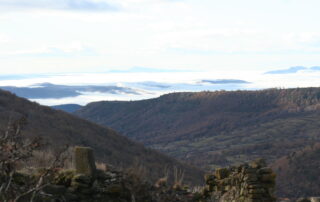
298 174
211 129
13 152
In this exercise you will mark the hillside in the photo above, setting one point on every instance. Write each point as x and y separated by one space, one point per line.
298 173
59 128
213 129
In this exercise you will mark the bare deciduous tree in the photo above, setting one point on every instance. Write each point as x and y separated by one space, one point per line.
14 152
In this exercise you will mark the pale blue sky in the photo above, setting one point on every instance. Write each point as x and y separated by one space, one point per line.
98 36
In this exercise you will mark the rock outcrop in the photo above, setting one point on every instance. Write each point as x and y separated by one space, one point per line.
85 183
252 182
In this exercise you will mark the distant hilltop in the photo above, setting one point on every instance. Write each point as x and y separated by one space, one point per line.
292 70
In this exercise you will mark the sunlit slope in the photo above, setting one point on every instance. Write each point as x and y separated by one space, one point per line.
217 128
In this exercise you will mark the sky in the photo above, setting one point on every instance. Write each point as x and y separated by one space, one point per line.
58 36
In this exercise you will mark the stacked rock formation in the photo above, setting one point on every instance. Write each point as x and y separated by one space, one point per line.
252 182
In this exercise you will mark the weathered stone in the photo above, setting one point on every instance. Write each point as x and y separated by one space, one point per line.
114 189
55 189
245 183
84 179
268 177
64 178
254 186
303 200
254 196
84 162
251 178
265 170
250 170
87 191
71 197
315 199
210 179
258 163
257 191
221 173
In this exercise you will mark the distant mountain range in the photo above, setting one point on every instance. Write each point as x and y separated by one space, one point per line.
48 90
225 81
292 70
59 128
144 83
53 91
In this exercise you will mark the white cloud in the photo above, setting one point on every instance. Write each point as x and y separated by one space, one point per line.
305 40
237 41
179 81
94 5
4 39
186 34
51 50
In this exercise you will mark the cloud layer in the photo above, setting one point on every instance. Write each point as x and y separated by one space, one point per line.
172 34
84 5
84 88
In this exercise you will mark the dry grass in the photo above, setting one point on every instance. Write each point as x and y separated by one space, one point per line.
44 159
178 176
101 166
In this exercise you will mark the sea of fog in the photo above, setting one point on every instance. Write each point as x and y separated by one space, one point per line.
89 87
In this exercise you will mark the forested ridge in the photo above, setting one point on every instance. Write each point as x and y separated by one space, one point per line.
214 129
217 128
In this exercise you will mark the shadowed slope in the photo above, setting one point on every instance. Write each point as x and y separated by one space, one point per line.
298 174
60 128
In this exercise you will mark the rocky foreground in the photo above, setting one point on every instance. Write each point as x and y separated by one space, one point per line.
253 182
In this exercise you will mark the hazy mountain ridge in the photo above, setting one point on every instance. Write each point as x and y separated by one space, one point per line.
225 81
67 107
292 70
48 90
59 128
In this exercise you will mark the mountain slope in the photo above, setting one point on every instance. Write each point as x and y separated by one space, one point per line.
217 128
298 174
59 128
